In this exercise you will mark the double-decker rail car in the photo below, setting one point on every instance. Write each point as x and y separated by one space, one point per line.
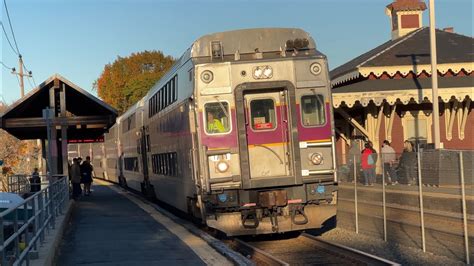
238 133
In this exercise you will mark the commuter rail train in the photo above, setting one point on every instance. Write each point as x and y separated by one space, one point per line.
239 133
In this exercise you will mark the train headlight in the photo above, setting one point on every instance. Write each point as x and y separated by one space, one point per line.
263 72
207 76
315 69
316 158
222 167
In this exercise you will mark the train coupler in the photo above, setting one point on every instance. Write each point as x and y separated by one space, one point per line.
298 210
249 219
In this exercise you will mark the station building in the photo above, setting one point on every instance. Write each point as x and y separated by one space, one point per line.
385 93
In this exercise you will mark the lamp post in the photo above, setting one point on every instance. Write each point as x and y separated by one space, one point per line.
434 77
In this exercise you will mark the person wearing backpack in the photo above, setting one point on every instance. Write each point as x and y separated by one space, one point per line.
368 160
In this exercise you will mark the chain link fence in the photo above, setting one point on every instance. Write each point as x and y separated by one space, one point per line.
382 196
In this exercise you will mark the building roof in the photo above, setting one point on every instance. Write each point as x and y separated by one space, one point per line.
407 5
410 53
403 90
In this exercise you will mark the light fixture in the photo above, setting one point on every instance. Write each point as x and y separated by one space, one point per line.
315 69
222 166
207 76
316 158
263 72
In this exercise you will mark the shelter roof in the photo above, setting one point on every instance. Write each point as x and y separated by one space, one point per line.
86 116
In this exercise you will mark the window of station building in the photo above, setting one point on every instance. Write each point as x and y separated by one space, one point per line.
216 117
263 114
131 164
313 110
165 164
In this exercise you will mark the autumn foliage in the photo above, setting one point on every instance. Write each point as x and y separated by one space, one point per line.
126 80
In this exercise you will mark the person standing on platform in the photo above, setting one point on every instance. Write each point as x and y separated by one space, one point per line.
389 158
35 181
368 160
86 170
76 179
406 166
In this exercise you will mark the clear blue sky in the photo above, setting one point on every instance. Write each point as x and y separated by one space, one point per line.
76 38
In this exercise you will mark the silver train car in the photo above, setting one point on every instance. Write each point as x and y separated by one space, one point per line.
239 133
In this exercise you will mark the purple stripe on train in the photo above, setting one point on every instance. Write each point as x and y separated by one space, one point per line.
314 133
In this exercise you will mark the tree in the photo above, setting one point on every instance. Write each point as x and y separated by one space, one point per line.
126 80
19 157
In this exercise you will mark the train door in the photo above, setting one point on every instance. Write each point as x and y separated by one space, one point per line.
267 132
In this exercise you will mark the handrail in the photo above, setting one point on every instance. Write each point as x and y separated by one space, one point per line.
30 220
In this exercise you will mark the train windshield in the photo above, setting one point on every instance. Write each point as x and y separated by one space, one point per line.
217 118
262 112
312 110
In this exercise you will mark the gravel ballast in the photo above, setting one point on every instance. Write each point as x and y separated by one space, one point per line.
394 252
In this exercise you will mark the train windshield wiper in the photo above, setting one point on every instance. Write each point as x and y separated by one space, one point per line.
222 107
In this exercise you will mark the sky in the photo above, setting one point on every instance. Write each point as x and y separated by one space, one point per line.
77 38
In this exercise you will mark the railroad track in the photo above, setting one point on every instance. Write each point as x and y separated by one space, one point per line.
303 250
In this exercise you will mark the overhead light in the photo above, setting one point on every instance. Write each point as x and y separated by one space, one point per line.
263 72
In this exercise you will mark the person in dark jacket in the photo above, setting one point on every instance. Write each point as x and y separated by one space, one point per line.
86 172
407 162
35 181
76 179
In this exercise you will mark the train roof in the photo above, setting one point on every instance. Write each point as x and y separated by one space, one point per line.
246 41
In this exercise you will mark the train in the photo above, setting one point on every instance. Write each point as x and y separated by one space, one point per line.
239 133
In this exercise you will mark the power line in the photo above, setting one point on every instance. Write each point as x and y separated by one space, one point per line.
29 82
6 36
11 27
18 79
5 66
30 73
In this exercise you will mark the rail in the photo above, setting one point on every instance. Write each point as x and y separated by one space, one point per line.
259 256
358 255
23 225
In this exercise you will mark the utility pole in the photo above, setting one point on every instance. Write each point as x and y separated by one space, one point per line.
21 75
434 76
22 94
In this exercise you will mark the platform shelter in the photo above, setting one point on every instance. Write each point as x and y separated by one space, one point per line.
58 110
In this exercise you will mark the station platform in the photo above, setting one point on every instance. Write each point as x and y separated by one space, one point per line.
112 227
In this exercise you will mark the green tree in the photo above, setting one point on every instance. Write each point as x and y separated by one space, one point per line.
126 80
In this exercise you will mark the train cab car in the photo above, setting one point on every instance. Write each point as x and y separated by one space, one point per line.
264 131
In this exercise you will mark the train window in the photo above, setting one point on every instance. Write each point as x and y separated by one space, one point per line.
131 164
217 117
170 90
165 164
175 88
262 114
312 110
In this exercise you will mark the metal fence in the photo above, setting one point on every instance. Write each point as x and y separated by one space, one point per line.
23 227
18 184
383 196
